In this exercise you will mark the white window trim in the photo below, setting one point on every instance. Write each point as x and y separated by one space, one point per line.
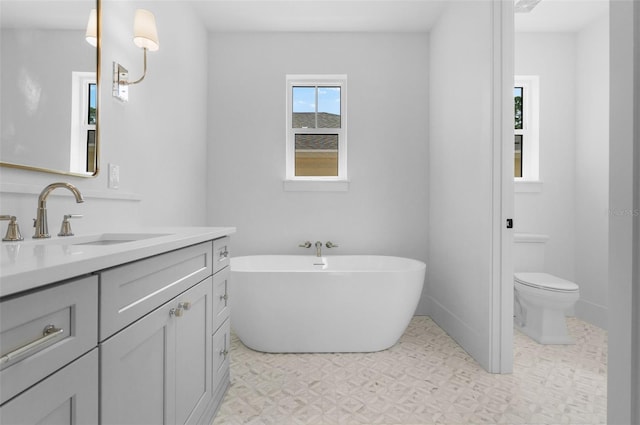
79 111
531 133
317 183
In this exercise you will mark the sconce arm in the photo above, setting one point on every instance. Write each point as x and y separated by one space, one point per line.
144 73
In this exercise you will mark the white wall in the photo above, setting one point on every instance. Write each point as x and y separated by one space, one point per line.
460 176
158 138
592 171
385 209
552 56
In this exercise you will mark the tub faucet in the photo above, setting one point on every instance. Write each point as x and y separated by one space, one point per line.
40 223
318 249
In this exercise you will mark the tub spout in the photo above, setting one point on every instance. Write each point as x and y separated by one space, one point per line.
318 249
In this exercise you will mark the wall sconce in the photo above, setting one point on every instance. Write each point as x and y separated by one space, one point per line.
145 36
92 28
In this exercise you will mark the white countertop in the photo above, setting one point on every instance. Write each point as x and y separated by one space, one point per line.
32 263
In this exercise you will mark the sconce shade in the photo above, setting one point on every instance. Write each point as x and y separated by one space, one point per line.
145 34
92 28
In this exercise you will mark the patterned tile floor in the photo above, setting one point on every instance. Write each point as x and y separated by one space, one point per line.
424 379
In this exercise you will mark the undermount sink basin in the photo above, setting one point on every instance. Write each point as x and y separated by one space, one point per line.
96 239
114 238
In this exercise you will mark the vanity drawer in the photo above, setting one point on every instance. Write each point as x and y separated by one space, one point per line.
221 348
220 297
28 355
129 292
221 252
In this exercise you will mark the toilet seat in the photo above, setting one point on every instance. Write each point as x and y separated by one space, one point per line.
545 282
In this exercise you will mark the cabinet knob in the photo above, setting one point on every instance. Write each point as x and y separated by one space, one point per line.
224 297
185 305
177 312
224 353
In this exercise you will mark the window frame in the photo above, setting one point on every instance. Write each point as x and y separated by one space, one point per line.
319 80
530 127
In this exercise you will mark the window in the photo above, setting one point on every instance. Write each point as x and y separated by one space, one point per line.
83 122
89 126
517 102
316 128
526 111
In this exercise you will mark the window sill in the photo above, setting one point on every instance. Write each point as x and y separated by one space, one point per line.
528 186
316 185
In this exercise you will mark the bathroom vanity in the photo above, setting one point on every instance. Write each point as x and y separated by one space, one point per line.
119 328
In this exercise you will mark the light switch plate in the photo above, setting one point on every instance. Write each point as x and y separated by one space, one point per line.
114 176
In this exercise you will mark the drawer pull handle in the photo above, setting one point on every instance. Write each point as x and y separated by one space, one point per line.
223 254
49 333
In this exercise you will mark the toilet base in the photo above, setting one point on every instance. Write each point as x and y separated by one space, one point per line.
541 315
557 338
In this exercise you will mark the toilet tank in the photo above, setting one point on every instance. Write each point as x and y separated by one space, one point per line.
528 252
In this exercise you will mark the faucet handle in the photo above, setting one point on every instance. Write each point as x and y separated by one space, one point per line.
65 228
13 230
307 244
330 244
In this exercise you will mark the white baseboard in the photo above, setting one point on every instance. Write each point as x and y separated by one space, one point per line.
467 337
592 313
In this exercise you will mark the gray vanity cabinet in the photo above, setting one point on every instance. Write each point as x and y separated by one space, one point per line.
164 366
157 371
49 363
138 342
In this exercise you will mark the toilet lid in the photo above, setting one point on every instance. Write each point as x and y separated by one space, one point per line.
545 281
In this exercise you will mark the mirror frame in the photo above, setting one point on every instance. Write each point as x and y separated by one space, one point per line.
98 97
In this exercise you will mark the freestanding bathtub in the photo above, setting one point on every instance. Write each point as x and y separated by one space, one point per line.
306 304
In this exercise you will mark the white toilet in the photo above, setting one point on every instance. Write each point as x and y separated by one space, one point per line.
541 300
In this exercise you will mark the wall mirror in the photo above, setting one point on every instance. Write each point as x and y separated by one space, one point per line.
49 73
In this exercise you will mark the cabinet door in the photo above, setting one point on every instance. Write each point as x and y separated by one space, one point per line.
193 353
137 371
158 370
221 341
69 396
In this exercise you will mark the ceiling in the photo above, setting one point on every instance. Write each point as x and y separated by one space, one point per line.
319 15
561 15
377 15
312 15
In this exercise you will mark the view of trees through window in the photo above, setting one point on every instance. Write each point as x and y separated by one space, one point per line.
518 95
91 128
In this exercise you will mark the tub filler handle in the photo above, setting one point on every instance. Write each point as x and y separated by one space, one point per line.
307 244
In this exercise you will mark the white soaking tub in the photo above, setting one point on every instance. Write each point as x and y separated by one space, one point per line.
307 304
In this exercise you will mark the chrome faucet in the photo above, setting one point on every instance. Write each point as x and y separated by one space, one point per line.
40 223
318 249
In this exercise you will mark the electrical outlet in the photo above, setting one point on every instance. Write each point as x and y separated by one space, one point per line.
114 176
